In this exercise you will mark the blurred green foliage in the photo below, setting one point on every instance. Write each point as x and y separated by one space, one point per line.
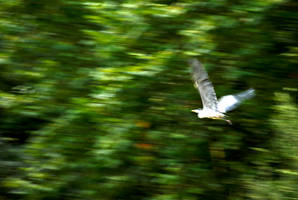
95 100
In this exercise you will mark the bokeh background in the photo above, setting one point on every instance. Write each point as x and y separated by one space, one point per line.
95 100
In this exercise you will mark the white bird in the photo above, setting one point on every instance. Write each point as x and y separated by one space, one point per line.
211 107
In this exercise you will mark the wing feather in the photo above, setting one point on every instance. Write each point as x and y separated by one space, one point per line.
230 102
202 83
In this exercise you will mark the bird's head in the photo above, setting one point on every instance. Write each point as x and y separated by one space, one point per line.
199 112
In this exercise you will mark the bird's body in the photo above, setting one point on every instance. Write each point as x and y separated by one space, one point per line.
212 108
208 113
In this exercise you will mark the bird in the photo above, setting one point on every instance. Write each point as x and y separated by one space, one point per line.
213 108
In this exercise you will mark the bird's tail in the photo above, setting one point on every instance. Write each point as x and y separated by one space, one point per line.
247 94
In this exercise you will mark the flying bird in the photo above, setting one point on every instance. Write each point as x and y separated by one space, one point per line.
213 108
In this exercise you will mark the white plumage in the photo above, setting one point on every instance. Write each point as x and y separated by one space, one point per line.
226 102
211 107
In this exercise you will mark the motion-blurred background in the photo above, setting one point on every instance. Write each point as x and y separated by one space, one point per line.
95 100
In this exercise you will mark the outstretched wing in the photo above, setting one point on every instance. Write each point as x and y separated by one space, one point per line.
230 102
205 87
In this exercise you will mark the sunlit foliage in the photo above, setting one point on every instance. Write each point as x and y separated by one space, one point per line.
95 100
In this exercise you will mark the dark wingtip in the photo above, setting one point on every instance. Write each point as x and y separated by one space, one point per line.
193 61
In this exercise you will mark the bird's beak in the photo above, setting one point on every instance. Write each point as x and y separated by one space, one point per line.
195 111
